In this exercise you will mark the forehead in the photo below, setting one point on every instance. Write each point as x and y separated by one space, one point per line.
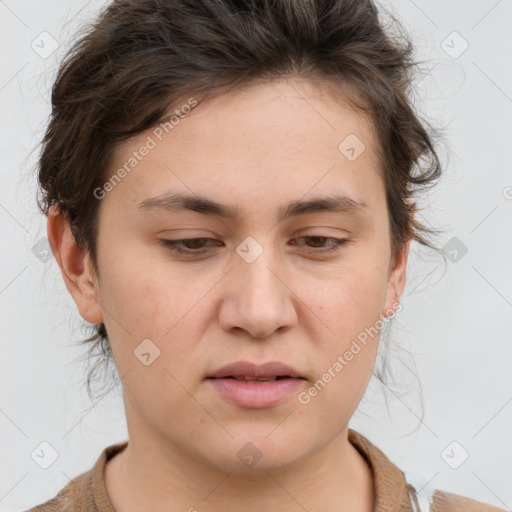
289 117
266 140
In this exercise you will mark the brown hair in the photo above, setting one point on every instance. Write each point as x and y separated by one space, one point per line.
142 57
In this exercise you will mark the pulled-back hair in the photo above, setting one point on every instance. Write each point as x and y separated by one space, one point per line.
142 57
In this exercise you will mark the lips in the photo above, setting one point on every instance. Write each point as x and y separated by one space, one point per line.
251 386
246 378
247 371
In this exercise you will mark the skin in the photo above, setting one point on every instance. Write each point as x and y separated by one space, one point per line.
255 148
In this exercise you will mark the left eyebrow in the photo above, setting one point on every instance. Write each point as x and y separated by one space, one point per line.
206 206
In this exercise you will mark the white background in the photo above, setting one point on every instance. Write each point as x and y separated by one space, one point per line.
455 322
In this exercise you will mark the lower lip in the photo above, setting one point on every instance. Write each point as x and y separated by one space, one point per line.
255 394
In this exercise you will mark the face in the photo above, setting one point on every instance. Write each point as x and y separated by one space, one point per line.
267 283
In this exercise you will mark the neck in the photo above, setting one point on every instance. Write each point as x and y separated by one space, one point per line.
154 474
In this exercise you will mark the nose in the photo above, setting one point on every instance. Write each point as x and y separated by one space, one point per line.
259 297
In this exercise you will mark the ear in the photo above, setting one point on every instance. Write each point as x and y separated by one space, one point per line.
397 279
75 266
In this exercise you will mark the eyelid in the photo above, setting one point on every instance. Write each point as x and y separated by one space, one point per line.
176 245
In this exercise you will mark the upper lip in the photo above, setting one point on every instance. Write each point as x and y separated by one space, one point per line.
249 369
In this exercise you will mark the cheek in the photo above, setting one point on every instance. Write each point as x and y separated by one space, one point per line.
158 305
346 336
133 308
140 290
352 299
147 306
347 323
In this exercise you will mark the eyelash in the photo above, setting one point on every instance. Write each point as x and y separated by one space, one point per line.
177 245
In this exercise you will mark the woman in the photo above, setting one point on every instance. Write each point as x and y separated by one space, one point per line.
229 196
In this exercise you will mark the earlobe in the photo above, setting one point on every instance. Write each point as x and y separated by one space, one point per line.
75 266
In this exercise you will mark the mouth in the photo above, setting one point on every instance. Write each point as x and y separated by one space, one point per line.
248 371
246 378
251 386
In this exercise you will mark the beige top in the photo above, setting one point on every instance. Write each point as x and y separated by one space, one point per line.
87 492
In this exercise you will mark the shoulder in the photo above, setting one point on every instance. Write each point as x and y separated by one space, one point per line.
86 491
431 499
65 500
70 498
428 498
443 501
409 492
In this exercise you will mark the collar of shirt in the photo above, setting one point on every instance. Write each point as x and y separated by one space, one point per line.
88 491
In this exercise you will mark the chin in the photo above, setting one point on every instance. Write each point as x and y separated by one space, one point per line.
256 455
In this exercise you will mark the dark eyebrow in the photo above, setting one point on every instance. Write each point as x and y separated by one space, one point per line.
180 202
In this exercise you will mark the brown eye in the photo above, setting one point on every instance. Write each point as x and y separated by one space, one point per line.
186 245
197 245
318 243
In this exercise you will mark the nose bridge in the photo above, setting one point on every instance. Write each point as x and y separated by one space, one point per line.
257 273
260 300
